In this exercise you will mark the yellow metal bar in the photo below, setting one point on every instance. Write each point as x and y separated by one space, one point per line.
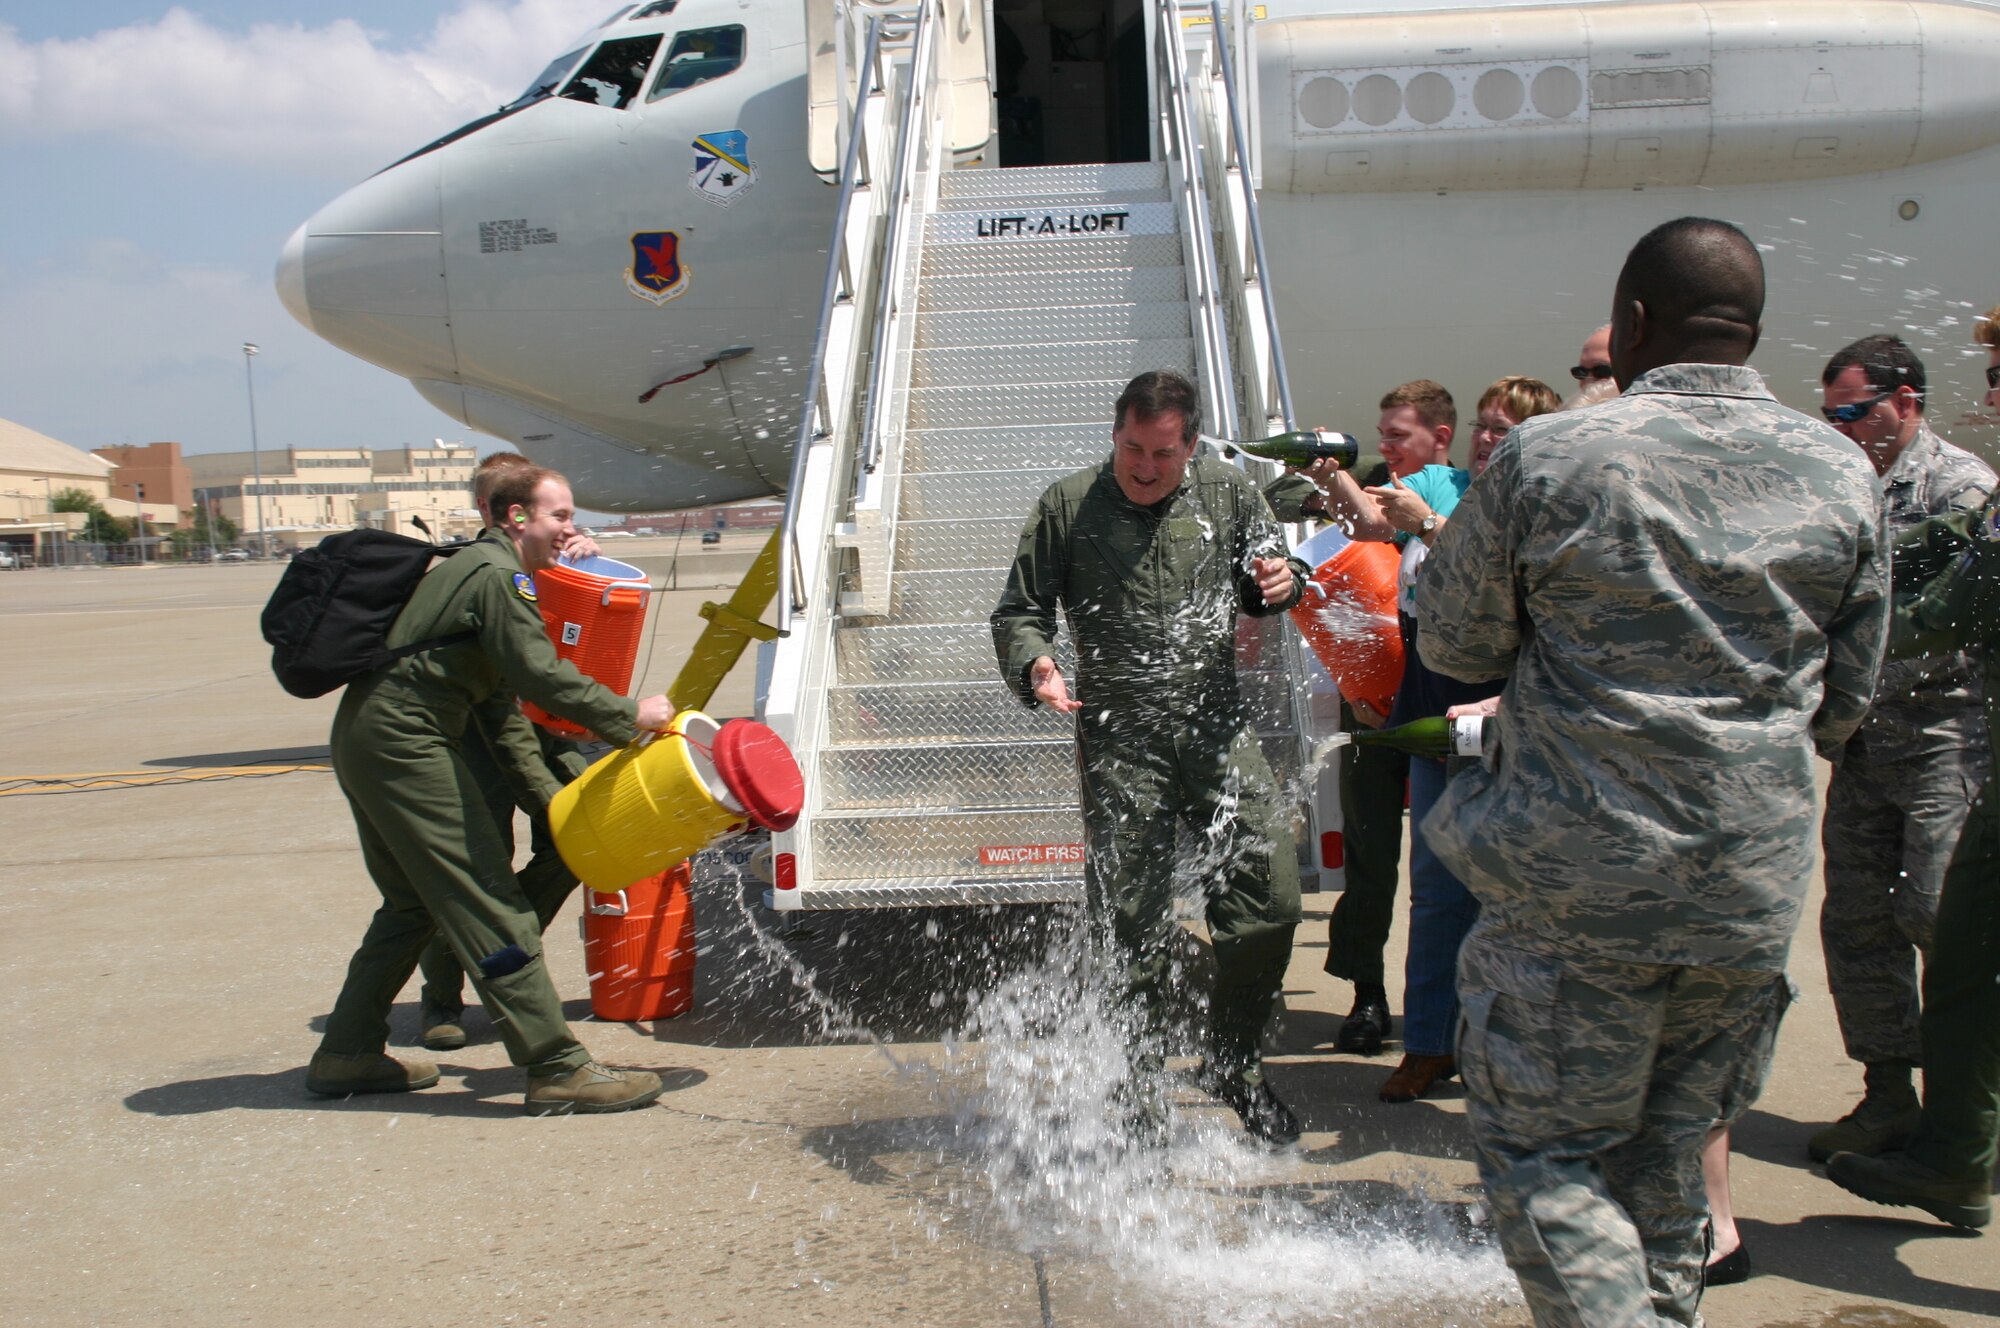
730 628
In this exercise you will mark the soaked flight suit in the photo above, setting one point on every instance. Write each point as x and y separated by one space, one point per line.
1960 1132
1152 596
427 837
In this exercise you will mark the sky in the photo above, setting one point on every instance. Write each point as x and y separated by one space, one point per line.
153 159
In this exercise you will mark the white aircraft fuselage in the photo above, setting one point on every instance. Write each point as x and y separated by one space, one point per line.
1446 193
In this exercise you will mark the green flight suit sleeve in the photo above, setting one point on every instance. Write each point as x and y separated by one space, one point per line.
513 637
1025 622
1959 608
1293 498
517 750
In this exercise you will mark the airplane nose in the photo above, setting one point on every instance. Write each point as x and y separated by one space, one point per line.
291 277
366 272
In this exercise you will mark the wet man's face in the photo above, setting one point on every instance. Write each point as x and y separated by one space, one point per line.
1408 444
1149 458
1886 425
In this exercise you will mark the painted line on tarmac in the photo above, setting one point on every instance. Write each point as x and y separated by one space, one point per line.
14 786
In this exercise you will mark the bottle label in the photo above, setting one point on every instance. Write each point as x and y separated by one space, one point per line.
1468 735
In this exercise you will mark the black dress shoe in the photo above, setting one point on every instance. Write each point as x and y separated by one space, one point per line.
1730 1269
1367 1024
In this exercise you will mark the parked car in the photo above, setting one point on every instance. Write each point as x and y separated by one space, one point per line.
603 535
9 559
711 537
233 556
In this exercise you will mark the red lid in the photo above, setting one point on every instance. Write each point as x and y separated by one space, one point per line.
761 772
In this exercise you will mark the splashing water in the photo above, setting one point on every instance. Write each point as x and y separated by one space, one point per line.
1211 1228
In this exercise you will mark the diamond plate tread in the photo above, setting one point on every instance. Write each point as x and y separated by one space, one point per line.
1089 179
939 545
870 846
1054 290
1004 404
929 892
948 778
940 597
969 495
1064 446
923 652
980 711
1048 362
944 260
1120 321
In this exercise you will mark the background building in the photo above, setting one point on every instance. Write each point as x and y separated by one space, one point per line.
309 492
159 472
34 469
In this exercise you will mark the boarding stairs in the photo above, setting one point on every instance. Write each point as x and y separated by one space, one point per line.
1010 307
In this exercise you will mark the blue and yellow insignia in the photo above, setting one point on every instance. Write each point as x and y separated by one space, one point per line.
657 273
1989 528
524 586
722 167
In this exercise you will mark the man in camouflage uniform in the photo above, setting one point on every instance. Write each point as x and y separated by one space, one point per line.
1903 784
1686 591
1946 1168
1152 555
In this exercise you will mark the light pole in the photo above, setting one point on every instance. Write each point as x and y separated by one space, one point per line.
139 521
256 460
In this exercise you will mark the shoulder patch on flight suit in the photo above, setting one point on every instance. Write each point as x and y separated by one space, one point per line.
1989 528
524 586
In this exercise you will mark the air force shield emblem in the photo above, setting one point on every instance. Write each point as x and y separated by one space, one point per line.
657 273
722 168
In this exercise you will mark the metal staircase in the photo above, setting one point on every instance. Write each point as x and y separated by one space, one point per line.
993 317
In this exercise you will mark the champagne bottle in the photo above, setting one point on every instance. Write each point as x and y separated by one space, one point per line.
1301 447
1434 736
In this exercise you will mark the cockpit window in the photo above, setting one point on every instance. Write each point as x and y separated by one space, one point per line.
548 80
614 72
699 56
654 10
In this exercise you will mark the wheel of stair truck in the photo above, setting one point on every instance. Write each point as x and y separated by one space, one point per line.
650 806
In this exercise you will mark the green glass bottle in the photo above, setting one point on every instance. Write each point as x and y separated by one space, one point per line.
1301 447
1434 736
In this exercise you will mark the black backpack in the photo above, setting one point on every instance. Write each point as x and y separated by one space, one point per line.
333 608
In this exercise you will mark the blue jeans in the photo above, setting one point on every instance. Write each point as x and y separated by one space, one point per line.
1442 911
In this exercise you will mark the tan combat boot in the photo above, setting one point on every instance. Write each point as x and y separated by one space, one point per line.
590 1089
1885 1118
334 1075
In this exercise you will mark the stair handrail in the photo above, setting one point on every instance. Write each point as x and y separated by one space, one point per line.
1183 145
1239 136
838 281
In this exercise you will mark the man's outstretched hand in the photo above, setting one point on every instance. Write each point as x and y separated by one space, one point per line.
1050 688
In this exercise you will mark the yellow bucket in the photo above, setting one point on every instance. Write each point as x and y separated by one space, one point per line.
645 808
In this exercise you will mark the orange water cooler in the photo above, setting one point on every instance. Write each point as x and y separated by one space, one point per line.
1348 615
595 611
639 948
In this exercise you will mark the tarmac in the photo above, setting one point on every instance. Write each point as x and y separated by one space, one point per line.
176 913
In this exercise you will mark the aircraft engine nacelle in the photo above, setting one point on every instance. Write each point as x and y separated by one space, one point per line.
1623 96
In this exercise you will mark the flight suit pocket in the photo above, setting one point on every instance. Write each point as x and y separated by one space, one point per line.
1509 1044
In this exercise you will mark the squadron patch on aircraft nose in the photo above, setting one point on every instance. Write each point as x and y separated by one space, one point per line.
722 166
524 586
657 273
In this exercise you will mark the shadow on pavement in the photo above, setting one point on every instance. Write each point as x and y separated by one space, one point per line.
461 1092
319 755
1858 1256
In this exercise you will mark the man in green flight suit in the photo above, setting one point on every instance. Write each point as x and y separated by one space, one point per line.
428 841
1946 1167
546 880
1152 555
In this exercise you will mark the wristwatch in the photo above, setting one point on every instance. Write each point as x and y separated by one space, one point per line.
1428 524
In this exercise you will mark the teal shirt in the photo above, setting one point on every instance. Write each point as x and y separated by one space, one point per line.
1440 487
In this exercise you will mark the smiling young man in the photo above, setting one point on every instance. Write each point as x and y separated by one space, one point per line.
1152 555
1902 785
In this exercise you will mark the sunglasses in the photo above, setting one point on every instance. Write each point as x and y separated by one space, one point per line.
1993 375
1583 373
1853 410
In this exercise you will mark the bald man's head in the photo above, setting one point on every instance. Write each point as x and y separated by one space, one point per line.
1691 292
